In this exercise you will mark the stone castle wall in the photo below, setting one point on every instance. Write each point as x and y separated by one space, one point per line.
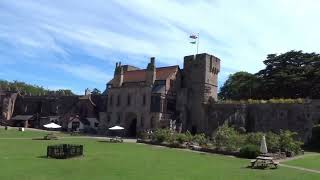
266 117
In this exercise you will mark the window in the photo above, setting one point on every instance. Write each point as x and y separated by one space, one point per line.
129 100
110 100
144 100
118 100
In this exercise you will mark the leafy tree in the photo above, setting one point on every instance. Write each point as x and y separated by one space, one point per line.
30 89
240 85
294 74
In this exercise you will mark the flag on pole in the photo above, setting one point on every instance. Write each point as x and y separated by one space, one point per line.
193 37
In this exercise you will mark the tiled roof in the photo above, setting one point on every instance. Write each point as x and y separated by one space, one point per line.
162 73
22 117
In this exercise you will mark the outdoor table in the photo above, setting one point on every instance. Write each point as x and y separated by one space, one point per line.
263 161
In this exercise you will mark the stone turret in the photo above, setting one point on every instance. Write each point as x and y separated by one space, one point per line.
118 75
151 72
201 81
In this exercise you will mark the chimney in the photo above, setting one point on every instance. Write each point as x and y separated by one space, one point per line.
118 75
151 72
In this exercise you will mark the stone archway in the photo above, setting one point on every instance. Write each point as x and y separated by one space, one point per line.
131 124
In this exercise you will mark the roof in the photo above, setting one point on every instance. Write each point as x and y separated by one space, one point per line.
22 117
162 73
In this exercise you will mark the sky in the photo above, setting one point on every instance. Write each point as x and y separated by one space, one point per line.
75 44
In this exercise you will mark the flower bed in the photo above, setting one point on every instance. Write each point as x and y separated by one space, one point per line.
228 141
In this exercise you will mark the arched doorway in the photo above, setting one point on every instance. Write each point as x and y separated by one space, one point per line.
131 124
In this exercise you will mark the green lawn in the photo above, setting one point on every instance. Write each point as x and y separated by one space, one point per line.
22 159
310 162
14 133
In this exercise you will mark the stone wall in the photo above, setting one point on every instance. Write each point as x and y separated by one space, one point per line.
265 117
7 104
44 106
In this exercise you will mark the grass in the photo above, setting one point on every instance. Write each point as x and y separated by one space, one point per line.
22 159
311 161
14 133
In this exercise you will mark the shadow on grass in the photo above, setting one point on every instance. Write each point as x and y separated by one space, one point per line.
107 141
260 167
43 139
43 157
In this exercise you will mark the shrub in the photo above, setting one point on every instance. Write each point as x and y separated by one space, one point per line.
228 138
189 137
272 139
249 151
254 138
201 139
161 135
273 142
181 138
287 142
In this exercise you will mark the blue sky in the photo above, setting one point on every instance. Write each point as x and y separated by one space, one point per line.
75 44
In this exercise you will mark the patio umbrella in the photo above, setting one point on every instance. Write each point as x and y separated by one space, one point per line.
52 126
116 128
263 145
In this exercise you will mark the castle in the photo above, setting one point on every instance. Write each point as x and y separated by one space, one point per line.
141 99
158 97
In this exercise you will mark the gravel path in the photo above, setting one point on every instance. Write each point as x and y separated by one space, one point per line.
300 168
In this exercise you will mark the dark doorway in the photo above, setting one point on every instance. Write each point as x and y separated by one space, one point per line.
75 126
132 130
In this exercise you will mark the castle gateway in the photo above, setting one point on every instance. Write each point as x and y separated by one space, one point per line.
142 99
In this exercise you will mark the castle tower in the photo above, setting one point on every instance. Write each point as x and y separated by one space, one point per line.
118 75
201 81
151 72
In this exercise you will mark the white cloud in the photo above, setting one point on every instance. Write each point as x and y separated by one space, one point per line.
240 33
86 72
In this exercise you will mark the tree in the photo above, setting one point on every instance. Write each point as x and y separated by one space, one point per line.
294 74
30 89
240 85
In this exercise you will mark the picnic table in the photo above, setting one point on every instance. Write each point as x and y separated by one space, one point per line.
116 139
263 162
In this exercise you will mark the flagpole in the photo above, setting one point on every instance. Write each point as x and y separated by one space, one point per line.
198 43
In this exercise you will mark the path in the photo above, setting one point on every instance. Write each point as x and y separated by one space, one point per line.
300 168
298 157
297 167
